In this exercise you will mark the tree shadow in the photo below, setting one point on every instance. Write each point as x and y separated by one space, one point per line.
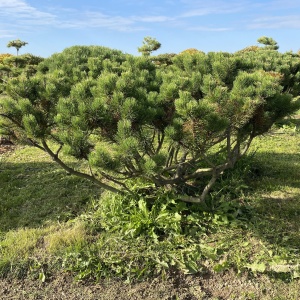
281 221
275 199
35 193
273 171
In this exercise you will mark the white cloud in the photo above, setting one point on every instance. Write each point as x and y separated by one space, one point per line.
5 34
204 28
100 20
284 4
153 19
19 10
23 16
292 22
203 8
209 11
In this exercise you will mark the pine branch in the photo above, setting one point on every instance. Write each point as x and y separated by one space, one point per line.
77 173
12 120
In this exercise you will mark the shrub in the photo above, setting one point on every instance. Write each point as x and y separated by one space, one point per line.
177 126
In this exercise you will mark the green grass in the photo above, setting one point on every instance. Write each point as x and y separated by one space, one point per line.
250 225
277 191
272 237
35 191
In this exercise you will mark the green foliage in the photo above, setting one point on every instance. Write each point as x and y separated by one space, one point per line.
18 44
268 42
138 237
179 125
149 45
163 60
12 67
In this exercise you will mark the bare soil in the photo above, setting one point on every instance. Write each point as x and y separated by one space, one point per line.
6 147
180 287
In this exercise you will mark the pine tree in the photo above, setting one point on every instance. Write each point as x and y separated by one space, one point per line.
269 43
149 45
18 44
178 125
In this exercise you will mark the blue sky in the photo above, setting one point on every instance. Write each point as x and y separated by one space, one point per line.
49 26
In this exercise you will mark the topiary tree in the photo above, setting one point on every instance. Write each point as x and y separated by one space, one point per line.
269 43
149 45
178 126
18 44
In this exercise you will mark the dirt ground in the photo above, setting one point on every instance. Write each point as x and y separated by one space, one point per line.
181 287
5 147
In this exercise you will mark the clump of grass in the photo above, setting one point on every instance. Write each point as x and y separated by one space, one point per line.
29 248
64 236
140 236
19 244
16 250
